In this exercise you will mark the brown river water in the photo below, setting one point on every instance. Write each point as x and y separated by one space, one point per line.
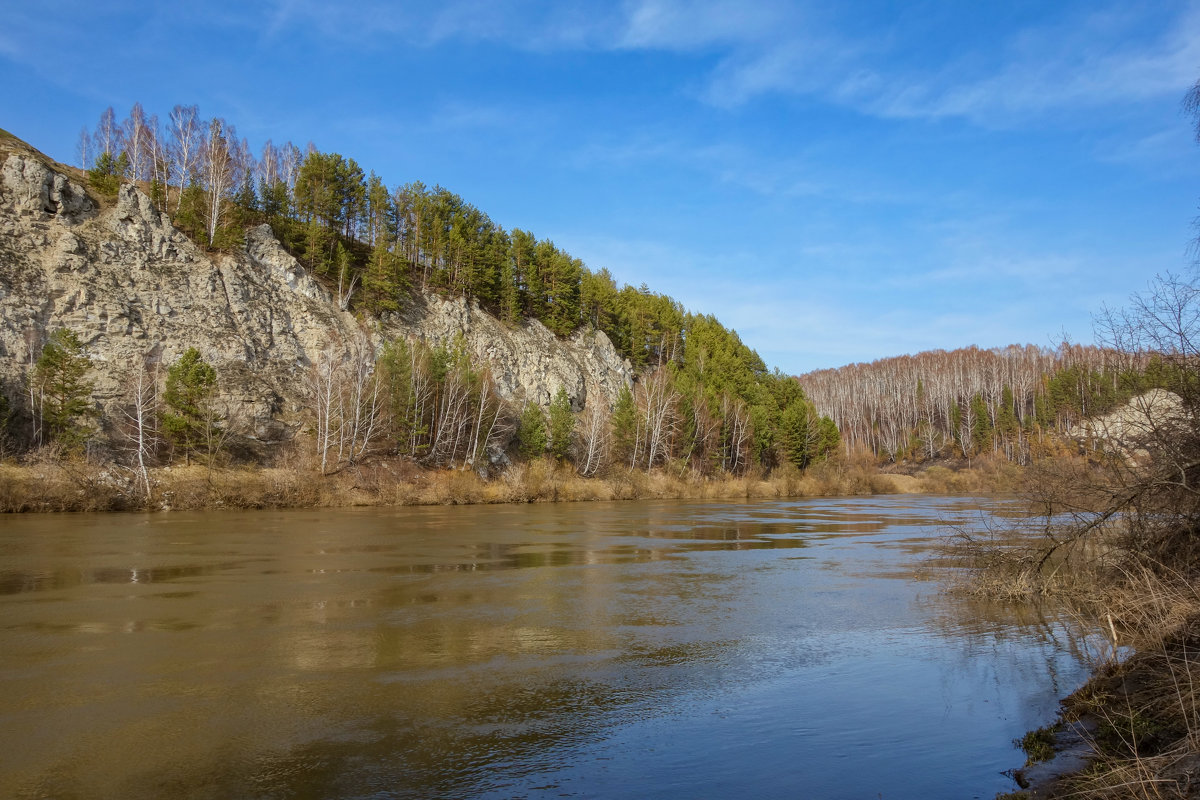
789 649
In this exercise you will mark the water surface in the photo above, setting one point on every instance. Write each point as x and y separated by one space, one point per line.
644 649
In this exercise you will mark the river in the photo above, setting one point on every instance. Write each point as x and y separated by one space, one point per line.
789 649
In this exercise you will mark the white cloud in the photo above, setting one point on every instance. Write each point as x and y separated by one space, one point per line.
1082 65
1103 56
1082 62
683 26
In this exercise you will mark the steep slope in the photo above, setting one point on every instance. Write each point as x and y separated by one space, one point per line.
135 289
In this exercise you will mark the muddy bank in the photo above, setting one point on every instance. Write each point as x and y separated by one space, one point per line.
1133 731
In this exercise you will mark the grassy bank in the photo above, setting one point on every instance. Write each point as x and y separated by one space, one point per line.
1134 577
1137 720
74 485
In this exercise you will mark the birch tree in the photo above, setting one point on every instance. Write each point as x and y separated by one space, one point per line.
83 149
184 148
107 138
140 415
592 439
217 171
137 135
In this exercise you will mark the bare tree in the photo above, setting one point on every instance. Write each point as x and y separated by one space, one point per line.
347 284
491 426
183 152
1144 483
216 170
348 403
138 146
657 405
159 166
108 137
592 439
735 435
141 419
323 389
83 149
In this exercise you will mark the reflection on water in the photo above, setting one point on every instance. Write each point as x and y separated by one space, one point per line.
661 649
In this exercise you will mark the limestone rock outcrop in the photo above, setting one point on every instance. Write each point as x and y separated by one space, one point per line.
529 363
136 290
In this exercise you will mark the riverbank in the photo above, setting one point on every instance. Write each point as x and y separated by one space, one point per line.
1133 730
53 485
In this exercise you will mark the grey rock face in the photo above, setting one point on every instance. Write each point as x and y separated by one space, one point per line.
38 191
137 290
529 363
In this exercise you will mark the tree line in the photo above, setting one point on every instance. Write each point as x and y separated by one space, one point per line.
433 404
372 243
971 401
439 406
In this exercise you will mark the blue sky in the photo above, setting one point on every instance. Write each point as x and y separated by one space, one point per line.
837 181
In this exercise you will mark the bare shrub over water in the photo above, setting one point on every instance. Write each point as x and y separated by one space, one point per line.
1116 529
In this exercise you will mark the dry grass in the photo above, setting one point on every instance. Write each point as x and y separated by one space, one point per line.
1144 708
50 483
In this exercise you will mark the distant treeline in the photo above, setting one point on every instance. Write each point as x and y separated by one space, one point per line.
704 401
972 401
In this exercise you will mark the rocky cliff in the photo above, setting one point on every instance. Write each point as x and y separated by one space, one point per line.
135 289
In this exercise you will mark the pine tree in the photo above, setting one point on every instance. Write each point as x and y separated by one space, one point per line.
981 432
624 427
562 423
59 380
798 433
531 432
189 214
382 282
105 177
830 438
191 387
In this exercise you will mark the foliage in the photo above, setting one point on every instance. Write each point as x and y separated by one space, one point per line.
63 392
105 177
189 215
806 437
624 427
1038 745
190 390
532 437
441 408
562 424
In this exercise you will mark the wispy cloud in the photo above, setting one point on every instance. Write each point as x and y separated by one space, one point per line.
801 172
792 47
683 26
1085 61
542 25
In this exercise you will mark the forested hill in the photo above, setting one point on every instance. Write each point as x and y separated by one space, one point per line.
971 401
377 243
703 400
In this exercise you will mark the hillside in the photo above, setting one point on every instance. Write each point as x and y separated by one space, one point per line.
309 345
137 290
1012 402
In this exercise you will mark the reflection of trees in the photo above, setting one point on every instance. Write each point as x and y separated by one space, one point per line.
443 652
1033 642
